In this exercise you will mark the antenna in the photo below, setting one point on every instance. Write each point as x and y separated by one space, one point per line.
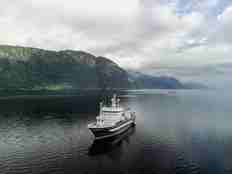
101 104
118 100
114 101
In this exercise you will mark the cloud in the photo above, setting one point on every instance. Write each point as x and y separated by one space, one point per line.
224 26
74 24
214 76
139 34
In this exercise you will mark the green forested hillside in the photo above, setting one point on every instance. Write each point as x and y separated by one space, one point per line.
37 69
30 68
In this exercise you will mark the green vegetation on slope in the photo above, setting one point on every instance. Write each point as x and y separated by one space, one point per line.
31 68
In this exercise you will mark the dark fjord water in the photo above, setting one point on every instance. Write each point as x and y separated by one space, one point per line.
183 132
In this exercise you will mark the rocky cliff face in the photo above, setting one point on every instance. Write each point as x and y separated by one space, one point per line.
111 75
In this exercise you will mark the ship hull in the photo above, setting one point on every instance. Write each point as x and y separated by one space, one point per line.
107 145
105 133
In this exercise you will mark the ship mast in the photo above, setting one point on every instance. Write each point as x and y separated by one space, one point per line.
118 100
114 101
101 105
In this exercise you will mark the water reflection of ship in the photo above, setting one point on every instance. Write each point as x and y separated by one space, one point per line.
104 146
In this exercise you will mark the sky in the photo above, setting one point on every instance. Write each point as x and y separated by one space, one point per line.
189 39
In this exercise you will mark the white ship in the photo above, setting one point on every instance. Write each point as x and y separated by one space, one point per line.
112 120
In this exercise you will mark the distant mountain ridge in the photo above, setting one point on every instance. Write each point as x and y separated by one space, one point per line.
149 82
35 69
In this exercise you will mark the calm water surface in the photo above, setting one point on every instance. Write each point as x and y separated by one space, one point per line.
178 132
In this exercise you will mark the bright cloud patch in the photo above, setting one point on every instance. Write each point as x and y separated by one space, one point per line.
138 34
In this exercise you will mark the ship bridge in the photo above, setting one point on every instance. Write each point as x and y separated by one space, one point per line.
112 109
112 114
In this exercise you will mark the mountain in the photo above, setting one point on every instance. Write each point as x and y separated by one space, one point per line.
36 69
150 82
31 68
194 85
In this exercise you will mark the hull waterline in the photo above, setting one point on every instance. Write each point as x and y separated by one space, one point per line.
105 133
